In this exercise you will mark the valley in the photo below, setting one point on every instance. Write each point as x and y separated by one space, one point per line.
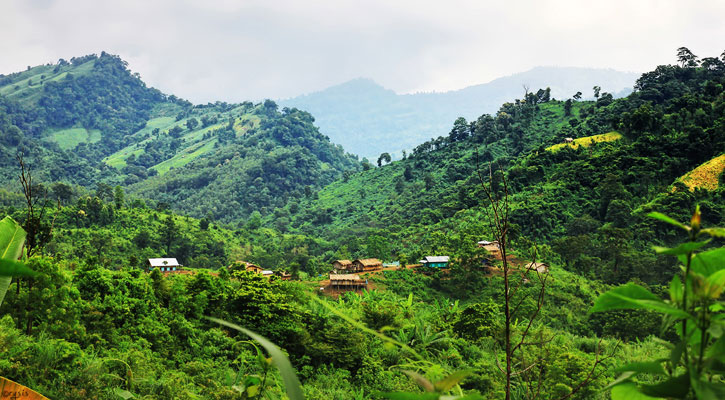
531 249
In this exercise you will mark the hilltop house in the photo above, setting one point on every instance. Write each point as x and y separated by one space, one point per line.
164 265
366 264
342 266
435 261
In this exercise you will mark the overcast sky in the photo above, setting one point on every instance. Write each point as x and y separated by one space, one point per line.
235 50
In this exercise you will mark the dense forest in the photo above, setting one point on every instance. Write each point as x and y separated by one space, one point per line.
580 187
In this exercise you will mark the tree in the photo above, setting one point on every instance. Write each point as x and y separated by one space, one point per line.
192 123
517 339
567 107
578 96
385 157
63 192
378 247
686 58
459 131
118 197
169 233
38 229
597 90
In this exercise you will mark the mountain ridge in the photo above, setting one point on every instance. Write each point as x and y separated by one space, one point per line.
368 119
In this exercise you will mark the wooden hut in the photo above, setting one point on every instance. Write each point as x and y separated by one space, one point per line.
253 268
341 266
347 281
367 264
492 247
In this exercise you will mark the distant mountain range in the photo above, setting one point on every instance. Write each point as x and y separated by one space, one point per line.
367 119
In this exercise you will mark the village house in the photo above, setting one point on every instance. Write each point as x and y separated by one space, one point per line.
435 261
538 267
253 268
367 264
285 276
491 247
347 281
341 266
165 265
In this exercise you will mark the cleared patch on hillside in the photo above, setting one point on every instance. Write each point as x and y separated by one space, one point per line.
68 139
185 156
706 176
587 141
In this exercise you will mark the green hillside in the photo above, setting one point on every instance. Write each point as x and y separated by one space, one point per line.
108 127
218 186
587 202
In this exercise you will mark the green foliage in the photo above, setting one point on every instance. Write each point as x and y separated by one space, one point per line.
12 238
693 308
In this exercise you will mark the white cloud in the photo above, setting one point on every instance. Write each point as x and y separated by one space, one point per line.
234 50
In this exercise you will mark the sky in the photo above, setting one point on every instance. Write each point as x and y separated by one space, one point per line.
236 50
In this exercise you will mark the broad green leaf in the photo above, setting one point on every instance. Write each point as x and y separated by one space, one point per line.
291 383
676 290
709 262
716 329
671 221
647 367
12 239
632 296
124 394
452 380
628 391
252 390
709 390
625 377
684 248
15 268
717 279
676 353
409 396
714 232
677 387
717 349
421 380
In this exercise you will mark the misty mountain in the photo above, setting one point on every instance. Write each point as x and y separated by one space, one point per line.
367 119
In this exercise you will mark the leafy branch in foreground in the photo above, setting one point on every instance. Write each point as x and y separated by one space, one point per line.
696 364
278 358
433 391
12 239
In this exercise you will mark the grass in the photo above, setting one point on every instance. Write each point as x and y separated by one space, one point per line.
28 94
184 157
706 176
587 141
68 139
194 143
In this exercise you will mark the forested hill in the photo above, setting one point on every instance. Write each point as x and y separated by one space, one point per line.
586 200
367 119
91 120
